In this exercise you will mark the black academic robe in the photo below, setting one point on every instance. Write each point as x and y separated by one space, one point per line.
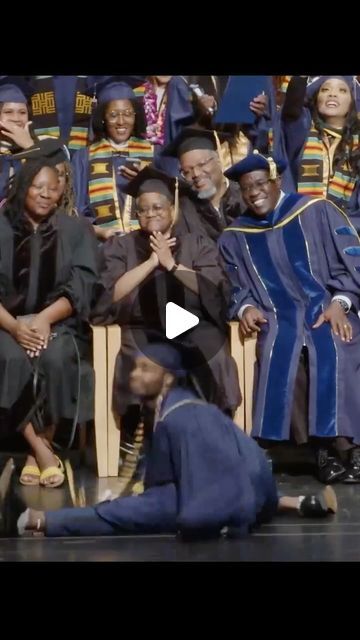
202 217
37 268
142 314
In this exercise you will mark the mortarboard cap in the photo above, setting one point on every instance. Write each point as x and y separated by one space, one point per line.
14 89
165 355
50 148
191 138
109 88
151 180
317 82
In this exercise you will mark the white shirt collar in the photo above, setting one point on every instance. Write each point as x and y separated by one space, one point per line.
281 198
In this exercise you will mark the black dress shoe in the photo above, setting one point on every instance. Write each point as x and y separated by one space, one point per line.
330 468
320 505
352 473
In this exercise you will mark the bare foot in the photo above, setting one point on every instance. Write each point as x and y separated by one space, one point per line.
46 458
31 479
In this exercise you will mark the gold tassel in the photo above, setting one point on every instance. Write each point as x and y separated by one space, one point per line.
176 202
272 169
273 174
219 149
130 461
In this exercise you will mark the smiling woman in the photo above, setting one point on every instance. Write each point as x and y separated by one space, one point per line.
47 274
102 171
156 264
15 123
320 138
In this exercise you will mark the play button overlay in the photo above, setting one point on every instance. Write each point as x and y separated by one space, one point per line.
178 320
165 310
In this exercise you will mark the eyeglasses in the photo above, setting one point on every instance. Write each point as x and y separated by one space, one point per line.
200 166
156 208
257 185
114 115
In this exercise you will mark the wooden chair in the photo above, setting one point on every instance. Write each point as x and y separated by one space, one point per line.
101 399
113 420
243 350
107 342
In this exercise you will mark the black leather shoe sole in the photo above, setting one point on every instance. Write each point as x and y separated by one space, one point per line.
331 473
351 476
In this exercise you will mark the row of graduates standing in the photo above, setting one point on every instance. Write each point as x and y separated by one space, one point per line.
318 138
129 123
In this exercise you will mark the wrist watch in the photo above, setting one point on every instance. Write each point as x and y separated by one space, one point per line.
173 268
344 305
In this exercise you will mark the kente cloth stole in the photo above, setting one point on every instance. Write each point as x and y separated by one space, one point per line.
310 180
103 192
44 112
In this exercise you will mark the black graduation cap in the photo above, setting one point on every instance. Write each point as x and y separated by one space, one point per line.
51 148
191 138
15 89
151 180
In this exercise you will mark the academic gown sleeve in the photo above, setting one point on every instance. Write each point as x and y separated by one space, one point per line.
342 250
214 286
115 252
80 165
79 287
241 292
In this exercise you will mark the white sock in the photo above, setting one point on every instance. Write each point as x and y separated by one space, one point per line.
301 498
23 520
107 495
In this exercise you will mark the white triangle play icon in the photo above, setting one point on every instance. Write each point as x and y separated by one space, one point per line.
178 320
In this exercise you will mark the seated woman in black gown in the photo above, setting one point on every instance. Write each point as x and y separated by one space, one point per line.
157 264
48 269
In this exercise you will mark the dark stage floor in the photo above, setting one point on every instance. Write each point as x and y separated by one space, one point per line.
288 538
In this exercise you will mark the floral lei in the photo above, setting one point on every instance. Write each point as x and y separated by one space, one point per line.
155 129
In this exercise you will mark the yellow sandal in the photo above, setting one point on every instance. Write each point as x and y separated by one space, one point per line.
53 471
30 470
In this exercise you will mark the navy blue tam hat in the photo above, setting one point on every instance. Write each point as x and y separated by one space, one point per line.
165 355
256 162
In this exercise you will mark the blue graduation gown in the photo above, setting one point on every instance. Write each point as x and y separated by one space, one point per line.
289 265
203 473
6 163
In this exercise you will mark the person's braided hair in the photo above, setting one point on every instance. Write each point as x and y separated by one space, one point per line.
20 184
67 201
